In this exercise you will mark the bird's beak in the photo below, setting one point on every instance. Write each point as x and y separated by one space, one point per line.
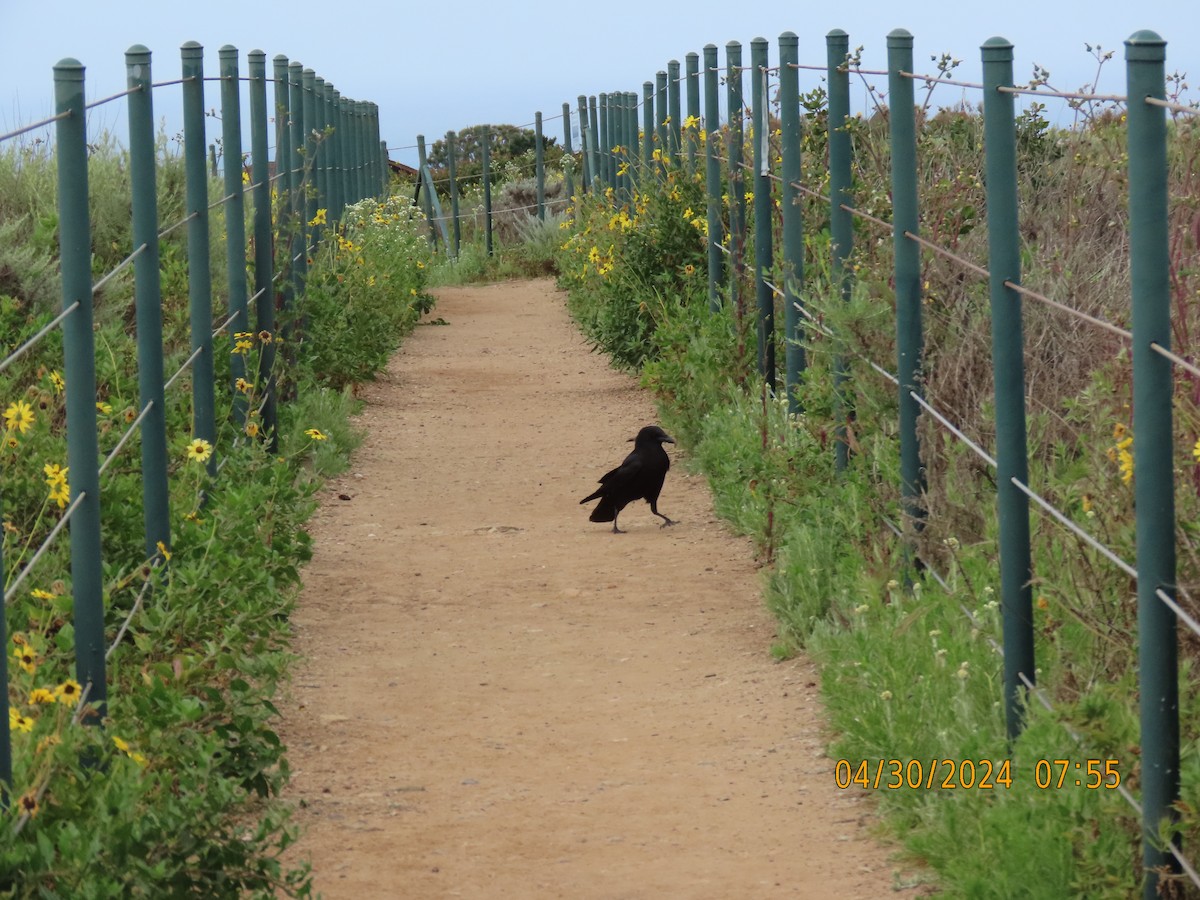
668 439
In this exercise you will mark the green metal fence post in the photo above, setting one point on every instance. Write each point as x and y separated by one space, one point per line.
427 189
539 163
308 80
1008 367
605 139
148 302
662 143
353 121
235 221
79 367
357 181
620 118
692 80
631 128
841 225
568 179
345 153
486 140
337 194
793 220
737 178
370 185
593 144
1154 467
647 128
298 246
586 163
452 167
627 143
204 424
264 289
320 152
909 339
282 206
674 114
375 169
712 180
763 211
378 154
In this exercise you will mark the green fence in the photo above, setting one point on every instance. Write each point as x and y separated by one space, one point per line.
327 156
616 153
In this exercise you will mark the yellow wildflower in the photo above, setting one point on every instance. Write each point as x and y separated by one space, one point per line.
41 696
18 416
26 658
18 722
199 450
68 692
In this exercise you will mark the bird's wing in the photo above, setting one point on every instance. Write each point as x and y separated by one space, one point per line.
625 472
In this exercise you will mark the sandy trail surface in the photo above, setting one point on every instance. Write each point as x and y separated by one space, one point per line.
499 698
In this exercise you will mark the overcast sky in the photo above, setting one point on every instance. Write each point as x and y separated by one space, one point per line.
432 67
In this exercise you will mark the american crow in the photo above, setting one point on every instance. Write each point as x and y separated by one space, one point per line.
640 476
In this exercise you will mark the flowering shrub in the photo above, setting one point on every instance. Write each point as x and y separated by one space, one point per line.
628 264
365 291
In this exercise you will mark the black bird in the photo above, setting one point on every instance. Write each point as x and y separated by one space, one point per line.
640 476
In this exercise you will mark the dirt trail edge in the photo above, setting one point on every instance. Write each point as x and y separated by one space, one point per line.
499 698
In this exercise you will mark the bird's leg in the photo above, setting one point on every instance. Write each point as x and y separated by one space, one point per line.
616 530
666 521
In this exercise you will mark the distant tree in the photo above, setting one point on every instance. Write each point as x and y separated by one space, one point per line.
507 143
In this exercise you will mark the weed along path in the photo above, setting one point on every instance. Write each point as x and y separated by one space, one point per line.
498 698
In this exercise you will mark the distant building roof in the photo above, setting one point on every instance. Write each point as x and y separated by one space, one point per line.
400 168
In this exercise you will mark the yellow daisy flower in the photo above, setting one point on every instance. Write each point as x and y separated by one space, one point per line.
18 416
199 450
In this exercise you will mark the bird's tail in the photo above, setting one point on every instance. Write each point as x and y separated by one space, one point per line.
592 496
605 511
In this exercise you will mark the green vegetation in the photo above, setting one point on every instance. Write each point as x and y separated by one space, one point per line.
177 793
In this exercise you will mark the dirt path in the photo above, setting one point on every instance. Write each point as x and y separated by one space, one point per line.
502 699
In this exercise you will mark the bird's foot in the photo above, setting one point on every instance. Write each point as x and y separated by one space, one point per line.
617 530
667 522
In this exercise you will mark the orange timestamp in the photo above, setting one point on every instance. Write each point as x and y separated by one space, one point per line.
969 774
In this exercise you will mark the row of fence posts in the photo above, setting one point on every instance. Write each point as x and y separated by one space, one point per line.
610 135
328 156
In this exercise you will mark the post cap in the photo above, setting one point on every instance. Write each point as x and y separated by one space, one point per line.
68 69
1145 46
997 49
899 38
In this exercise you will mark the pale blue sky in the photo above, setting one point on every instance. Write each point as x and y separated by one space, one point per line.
432 67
